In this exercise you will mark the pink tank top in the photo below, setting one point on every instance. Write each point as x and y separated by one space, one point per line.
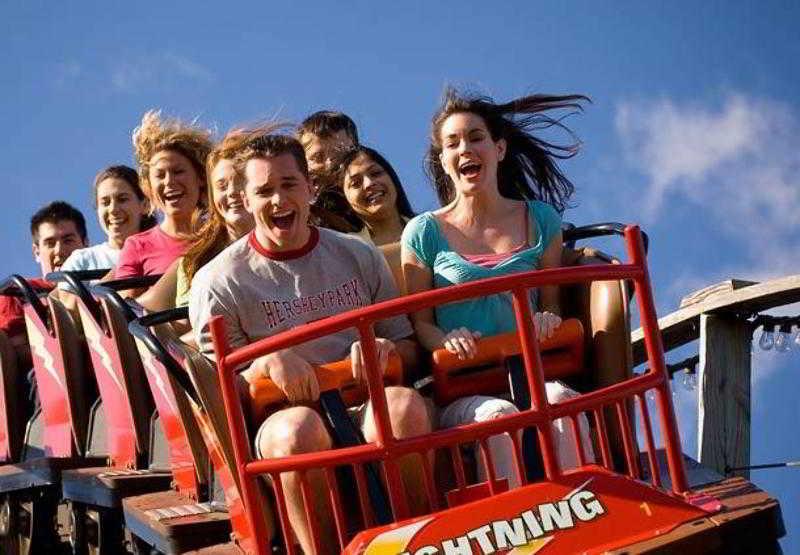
493 259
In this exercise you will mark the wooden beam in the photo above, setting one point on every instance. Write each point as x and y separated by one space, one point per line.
724 381
683 325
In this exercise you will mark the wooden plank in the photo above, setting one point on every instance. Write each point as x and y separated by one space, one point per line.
724 381
715 290
683 325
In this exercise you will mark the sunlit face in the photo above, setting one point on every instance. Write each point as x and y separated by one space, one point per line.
369 189
321 151
278 196
469 154
175 186
54 243
119 210
227 189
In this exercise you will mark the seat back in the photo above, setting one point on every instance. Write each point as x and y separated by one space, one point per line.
127 405
12 405
188 456
214 425
64 377
203 374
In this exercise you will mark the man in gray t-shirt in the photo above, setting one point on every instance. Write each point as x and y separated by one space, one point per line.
260 292
287 273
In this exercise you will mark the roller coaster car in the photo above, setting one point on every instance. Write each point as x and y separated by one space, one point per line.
225 509
120 419
55 436
198 514
628 506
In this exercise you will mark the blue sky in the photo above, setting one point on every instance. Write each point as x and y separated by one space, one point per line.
693 130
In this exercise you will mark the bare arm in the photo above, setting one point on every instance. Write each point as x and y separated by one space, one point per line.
70 302
551 258
419 277
161 296
460 341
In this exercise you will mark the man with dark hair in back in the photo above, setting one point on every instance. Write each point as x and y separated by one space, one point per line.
326 135
56 230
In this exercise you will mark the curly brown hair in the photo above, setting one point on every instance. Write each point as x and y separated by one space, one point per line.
156 133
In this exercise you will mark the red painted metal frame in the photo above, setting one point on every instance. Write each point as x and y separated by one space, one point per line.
185 469
51 381
6 431
230 488
388 449
121 433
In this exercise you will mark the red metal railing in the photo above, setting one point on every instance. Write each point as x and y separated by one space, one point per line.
387 449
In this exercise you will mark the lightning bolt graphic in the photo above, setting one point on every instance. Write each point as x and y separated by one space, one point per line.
36 341
534 546
149 364
93 338
395 541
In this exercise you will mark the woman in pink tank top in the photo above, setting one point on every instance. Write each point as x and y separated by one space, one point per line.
171 157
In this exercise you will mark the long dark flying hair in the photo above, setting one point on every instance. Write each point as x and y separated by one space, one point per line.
529 170
403 205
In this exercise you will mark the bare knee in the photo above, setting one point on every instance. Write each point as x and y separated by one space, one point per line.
292 431
408 414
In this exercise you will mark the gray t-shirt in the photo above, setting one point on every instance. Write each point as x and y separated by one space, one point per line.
260 293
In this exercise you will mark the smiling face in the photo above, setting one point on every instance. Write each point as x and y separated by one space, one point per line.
175 186
369 189
321 151
54 242
227 190
469 154
278 195
119 210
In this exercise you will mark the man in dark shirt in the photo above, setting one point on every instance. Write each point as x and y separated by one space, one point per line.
56 230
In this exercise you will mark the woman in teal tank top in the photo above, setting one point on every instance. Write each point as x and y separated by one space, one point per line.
501 193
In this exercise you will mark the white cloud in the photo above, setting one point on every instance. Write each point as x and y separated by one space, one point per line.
738 163
160 70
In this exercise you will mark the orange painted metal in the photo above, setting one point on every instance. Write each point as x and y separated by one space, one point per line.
331 376
562 356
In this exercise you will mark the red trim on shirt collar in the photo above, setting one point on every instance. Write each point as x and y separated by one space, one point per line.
313 239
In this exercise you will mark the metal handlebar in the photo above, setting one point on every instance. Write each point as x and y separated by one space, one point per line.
140 328
571 234
109 290
17 286
75 281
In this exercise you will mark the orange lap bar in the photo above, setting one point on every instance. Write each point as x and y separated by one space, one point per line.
562 356
333 375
